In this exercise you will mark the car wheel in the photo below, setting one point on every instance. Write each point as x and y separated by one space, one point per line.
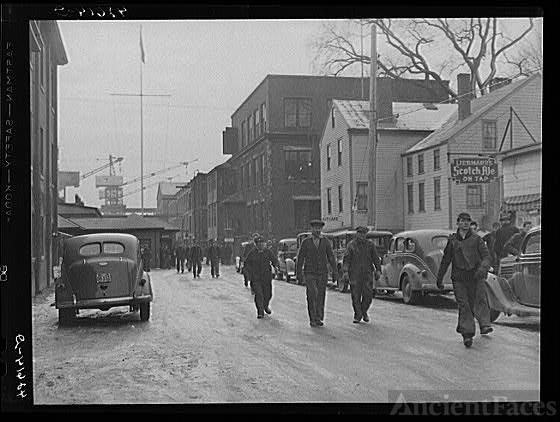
410 297
65 316
494 315
145 311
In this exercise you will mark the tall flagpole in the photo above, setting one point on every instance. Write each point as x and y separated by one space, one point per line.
141 128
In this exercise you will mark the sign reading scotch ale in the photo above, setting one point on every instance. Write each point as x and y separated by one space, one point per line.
474 170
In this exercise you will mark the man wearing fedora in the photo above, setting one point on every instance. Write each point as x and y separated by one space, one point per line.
359 263
503 234
313 258
470 260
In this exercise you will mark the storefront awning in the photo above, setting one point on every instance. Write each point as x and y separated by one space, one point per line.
526 202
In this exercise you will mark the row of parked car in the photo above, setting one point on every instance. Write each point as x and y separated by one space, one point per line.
104 270
411 260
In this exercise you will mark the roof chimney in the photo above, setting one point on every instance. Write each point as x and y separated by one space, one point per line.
463 91
385 100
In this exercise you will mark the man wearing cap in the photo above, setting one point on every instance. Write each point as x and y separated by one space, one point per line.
214 255
314 254
503 234
248 248
257 265
471 261
359 263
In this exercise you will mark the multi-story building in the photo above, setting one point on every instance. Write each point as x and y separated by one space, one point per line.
166 199
197 208
274 142
220 183
478 132
46 53
345 159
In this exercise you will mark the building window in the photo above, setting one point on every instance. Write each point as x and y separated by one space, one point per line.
474 196
42 66
362 196
332 118
329 157
256 172
246 173
437 194
488 134
298 165
263 118
339 152
263 220
262 169
409 166
297 112
410 197
250 129
421 201
420 163
329 201
437 164
41 153
340 199
53 87
243 134
257 123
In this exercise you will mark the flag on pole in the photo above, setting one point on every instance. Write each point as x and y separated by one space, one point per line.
142 54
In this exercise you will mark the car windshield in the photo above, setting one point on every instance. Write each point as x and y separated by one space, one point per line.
90 249
292 247
439 242
533 243
113 248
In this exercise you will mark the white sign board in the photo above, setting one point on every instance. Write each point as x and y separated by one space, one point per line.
101 181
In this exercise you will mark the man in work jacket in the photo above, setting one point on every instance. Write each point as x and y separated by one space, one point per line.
314 254
359 262
471 261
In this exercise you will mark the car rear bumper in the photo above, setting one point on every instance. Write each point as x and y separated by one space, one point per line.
433 288
105 302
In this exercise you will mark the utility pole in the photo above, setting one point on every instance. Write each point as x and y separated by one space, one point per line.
372 129
362 54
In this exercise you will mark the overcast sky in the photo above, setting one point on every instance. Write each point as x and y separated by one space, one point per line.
208 68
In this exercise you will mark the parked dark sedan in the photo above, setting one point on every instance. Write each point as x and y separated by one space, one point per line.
101 271
412 263
517 288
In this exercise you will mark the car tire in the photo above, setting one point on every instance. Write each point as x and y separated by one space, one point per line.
66 315
410 297
494 315
145 311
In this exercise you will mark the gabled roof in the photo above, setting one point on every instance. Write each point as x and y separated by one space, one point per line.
69 209
479 106
65 223
408 116
169 188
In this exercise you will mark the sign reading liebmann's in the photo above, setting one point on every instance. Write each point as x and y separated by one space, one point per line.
474 170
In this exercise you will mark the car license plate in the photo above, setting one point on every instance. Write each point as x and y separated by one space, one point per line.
103 277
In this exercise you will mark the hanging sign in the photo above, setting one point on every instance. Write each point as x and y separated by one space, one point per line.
474 170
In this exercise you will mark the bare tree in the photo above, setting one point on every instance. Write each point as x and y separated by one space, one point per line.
434 48
528 57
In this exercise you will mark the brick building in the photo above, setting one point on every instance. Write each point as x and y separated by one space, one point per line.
220 183
46 53
274 142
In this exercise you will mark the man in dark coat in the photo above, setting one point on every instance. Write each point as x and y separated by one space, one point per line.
503 234
196 259
180 257
188 257
214 256
513 245
313 258
470 258
248 248
146 258
490 239
359 263
258 266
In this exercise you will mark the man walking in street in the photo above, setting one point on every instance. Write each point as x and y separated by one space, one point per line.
146 258
513 245
214 255
180 257
258 265
503 234
314 256
248 248
490 239
359 264
196 259
470 260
